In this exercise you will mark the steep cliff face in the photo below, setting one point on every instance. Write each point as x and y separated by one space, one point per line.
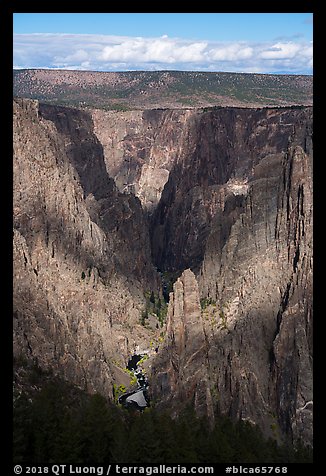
218 158
254 270
81 250
181 373
228 193
140 148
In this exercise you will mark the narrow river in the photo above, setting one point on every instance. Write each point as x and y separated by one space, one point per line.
137 399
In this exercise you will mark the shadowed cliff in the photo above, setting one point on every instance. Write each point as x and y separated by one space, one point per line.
220 197
237 210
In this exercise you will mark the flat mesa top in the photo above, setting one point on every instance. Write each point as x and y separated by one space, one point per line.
162 89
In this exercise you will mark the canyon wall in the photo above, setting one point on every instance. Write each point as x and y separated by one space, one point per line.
238 211
140 148
222 198
81 251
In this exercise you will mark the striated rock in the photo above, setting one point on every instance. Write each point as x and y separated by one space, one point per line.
140 148
81 251
223 149
223 198
180 373
262 278
254 268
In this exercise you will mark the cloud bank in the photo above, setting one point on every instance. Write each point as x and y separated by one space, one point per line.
121 53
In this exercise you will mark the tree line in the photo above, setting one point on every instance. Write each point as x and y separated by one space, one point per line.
61 424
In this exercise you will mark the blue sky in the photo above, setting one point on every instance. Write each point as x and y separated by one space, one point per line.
247 42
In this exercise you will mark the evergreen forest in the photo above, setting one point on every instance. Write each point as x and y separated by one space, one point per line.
55 422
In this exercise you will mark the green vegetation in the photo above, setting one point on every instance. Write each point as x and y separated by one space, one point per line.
118 364
133 381
168 279
56 422
118 390
142 360
116 107
215 313
133 378
205 302
223 318
183 88
155 306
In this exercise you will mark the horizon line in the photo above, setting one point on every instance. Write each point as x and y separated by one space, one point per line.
159 71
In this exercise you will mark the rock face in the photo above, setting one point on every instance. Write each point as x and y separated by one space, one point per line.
140 148
81 250
240 214
218 160
224 198
181 370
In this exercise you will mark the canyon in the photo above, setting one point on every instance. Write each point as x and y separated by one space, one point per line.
109 205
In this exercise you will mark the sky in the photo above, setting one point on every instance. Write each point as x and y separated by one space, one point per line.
233 42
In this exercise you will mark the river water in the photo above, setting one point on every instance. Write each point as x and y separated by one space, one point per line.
137 399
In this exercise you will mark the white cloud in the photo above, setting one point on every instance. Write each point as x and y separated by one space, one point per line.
161 49
231 52
281 51
109 53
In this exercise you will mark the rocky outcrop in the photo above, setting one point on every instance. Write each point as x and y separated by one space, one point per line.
222 197
221 150
260 274
181 370
253 266
140 148
81 251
